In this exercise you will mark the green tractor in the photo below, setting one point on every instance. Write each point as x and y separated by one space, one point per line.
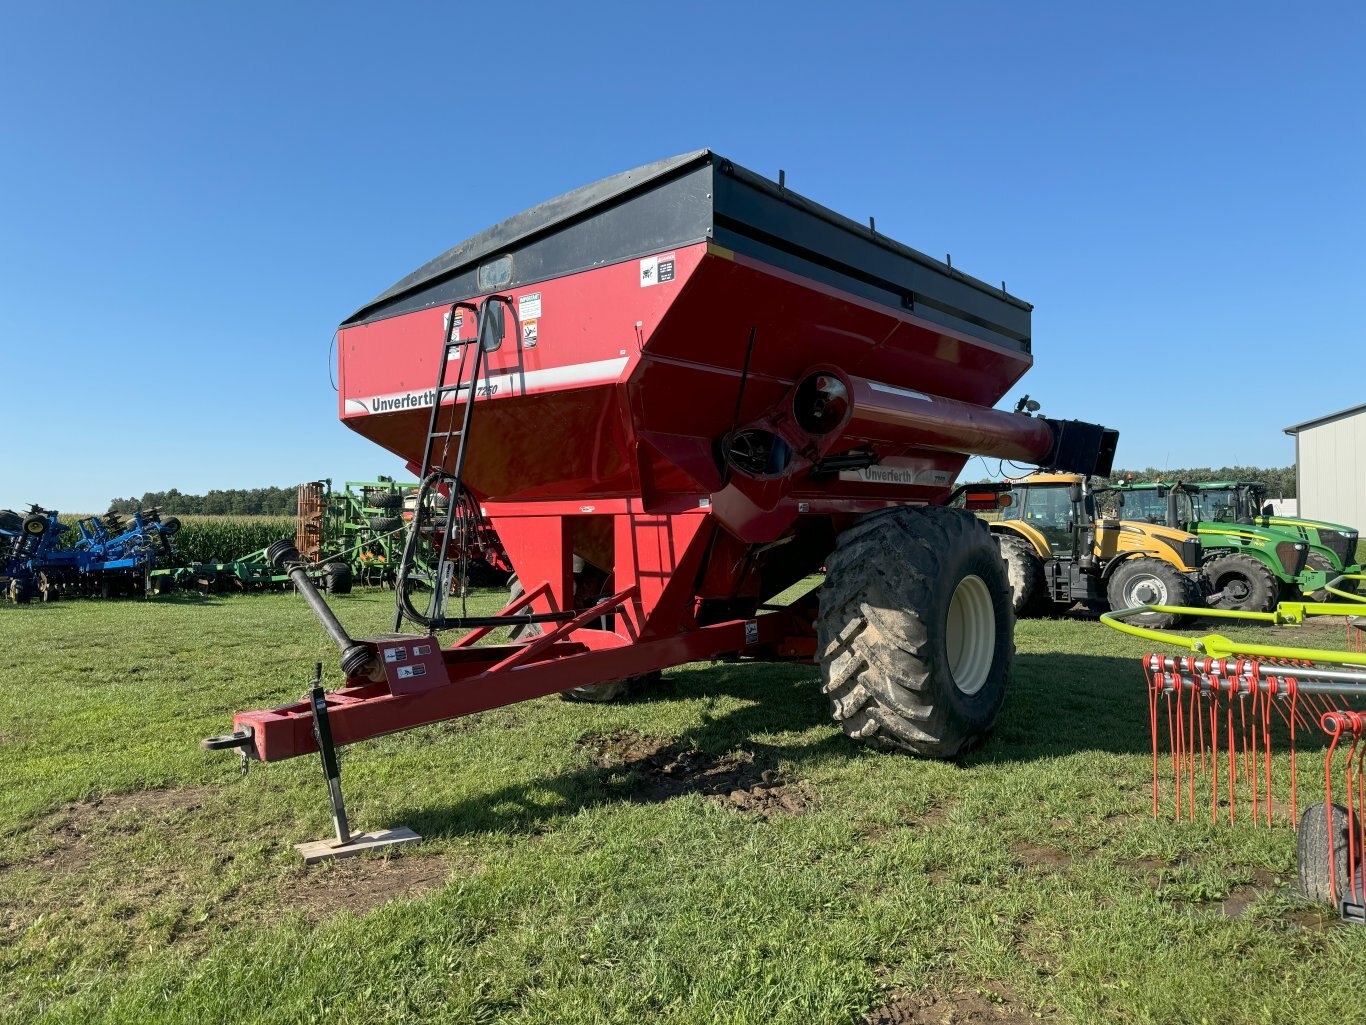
1332 546
1247 565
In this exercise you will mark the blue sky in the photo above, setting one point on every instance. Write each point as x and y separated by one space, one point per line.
192 196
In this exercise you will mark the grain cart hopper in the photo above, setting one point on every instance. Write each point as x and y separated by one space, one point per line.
674 393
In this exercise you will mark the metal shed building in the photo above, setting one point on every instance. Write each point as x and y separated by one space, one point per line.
1329 454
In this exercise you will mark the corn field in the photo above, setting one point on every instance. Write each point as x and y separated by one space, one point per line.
224 538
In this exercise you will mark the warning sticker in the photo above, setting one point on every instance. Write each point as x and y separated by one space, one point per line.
454 326
529 307
421 649
396 654
408 672
529 334
655 270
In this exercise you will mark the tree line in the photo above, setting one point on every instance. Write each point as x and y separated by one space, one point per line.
227 502
1279 480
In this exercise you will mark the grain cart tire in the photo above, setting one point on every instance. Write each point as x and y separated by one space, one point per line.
915 630
1246 584
1147 581
596 693
10 520
385 524
1025 572
337 578
523 631
1311 850
1319 561
616 690
389 501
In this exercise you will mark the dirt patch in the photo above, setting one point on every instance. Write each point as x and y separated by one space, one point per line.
666 768
989 1005
1040 858
1240 898
363 884
622 747
935 816
72 826
932 818
1150 868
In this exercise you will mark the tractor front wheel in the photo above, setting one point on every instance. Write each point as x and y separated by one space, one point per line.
915 631
1242 582
337 578
1025 571
1147 581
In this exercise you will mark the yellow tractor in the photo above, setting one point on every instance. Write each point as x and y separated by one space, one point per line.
1058 552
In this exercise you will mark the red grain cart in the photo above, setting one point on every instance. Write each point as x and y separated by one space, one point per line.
674 394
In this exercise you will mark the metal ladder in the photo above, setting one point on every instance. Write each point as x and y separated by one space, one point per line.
462 512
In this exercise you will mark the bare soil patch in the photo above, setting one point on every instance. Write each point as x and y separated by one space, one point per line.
1040 858
931 818
73 826
1240 898
667 768
363 884
990 1005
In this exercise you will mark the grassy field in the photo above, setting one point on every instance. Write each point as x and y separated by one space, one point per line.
584 864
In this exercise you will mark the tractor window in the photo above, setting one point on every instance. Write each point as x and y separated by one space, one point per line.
1145 506
1219 505
1250 500
1049 511
1185 508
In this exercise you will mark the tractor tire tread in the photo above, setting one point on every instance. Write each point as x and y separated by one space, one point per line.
884 668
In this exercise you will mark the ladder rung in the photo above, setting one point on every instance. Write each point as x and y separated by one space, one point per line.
446 434
446 389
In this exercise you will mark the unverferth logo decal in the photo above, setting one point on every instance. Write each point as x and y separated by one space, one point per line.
412 400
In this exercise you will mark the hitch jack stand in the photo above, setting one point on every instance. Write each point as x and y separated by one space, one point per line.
346 844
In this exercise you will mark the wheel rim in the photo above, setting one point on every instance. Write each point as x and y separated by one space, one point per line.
1236 588
970 634
1146 590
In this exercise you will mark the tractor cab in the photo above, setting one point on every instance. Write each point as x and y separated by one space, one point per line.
1169 505
1056 506
1225 503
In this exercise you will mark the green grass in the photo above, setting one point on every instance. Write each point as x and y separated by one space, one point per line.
1032 870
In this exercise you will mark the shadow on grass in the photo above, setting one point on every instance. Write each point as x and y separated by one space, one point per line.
776 699
1056 705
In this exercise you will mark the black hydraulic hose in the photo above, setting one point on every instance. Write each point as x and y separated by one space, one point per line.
406 609
355 658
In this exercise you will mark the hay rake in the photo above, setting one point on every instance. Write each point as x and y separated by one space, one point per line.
1227 706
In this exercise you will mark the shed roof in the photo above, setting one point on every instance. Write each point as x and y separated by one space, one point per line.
1319 421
